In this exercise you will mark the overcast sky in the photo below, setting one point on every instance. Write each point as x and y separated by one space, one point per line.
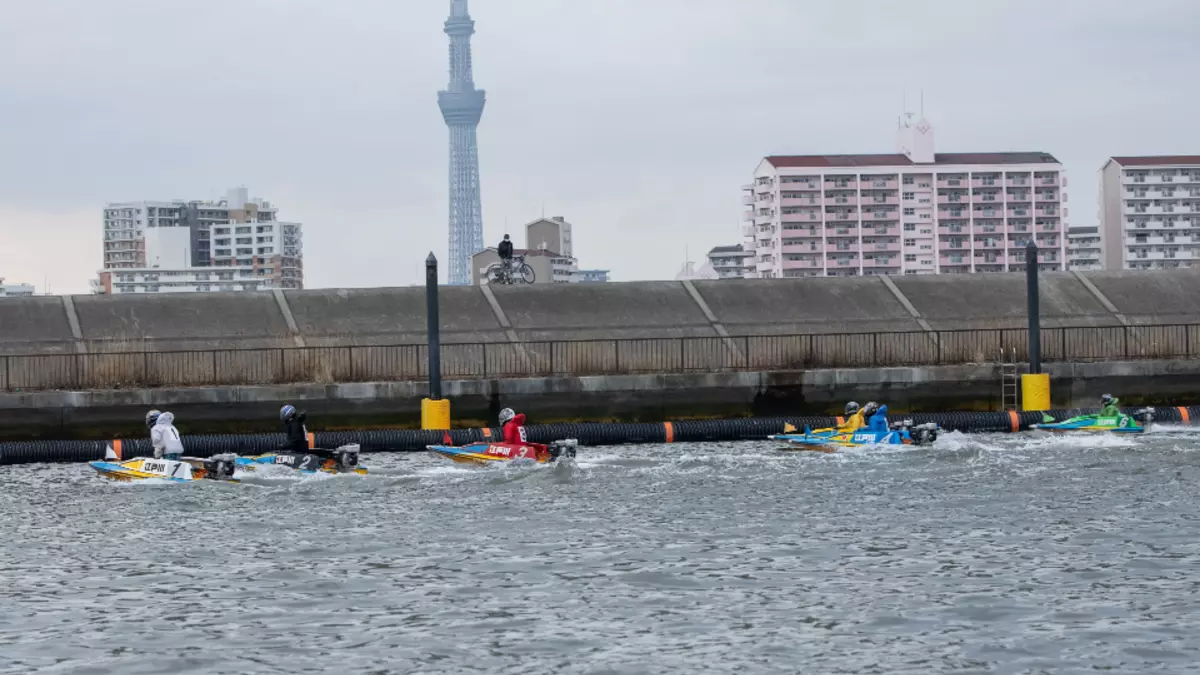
637 120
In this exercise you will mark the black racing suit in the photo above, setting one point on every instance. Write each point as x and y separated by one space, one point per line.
297 437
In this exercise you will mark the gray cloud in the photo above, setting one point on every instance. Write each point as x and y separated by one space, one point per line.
636 119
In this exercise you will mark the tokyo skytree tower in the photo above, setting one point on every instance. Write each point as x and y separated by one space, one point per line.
462 106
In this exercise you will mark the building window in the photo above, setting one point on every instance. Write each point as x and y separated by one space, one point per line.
910 211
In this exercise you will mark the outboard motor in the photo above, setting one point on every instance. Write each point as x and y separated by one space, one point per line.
347 457
564 449
924 434
1145 416
220 467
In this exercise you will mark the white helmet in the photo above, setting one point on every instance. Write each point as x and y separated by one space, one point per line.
506 415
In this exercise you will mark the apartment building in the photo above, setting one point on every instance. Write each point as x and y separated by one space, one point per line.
912 212
731 262
15 290
1085 250
1150 212
232 244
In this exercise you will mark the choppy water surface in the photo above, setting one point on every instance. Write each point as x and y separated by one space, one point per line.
992 554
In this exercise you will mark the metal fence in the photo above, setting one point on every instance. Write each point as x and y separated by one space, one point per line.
592 357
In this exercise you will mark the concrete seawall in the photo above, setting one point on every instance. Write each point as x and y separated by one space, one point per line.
706 309
108 414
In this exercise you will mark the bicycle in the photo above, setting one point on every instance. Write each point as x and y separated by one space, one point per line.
515 271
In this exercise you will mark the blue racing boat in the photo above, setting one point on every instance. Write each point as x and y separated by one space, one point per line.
877 432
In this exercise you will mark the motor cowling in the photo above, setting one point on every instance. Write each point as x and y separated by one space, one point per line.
347 457
924 434
220 467
1145 416
563 449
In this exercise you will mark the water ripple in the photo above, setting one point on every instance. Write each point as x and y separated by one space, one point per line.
988 554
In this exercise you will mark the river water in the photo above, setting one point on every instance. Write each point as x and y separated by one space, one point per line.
984 554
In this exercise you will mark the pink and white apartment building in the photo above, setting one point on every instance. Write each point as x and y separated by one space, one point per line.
914 212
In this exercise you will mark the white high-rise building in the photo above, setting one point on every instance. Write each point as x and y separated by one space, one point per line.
731 262
912 212
14 290
233 244
1085 250
1150 212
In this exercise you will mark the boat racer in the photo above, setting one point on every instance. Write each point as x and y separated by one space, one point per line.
513 425
164 436
854 419
1108 406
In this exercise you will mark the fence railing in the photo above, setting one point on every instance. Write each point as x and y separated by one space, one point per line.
126 370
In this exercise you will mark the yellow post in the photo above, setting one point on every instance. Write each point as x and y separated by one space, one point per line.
1035 392
435 414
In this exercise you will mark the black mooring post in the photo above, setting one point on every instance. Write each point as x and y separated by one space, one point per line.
1032 308
434 331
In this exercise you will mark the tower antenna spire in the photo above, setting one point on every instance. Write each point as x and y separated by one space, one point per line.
462 107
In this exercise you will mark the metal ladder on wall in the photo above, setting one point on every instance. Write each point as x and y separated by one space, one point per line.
1010 380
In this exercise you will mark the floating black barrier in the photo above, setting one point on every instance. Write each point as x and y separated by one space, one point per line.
593 434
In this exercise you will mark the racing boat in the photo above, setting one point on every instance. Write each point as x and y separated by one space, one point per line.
489 453
186 469
341 460
877 432
1137 423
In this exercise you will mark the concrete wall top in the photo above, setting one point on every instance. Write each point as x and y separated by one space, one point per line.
182 320
392 315
603 311
817 305
980 301
1159 296
592 311
25 322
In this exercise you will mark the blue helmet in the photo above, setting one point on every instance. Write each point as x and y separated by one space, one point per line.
152 418
286 413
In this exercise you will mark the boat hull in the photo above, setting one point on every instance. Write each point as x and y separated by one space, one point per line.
492 453
302 463
186 470
1095 424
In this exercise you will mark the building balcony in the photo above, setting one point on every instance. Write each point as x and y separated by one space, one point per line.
1054 181
1042 198
876 200
891 261
815 247
812 263
1018 213
800 201
1046 211
1018 182
987 183
851 184
881 231
880 185
952 183
842 200
805 217
847 249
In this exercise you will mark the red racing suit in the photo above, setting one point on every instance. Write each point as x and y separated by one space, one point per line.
514 430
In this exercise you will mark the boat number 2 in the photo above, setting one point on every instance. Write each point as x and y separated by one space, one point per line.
306 463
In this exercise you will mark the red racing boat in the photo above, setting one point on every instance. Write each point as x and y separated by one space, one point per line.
488 453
